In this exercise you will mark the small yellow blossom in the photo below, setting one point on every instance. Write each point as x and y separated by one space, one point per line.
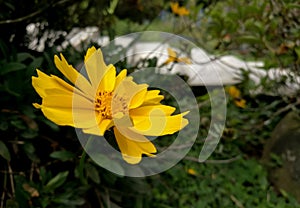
181 11
102 100
236 95
192 172
173 58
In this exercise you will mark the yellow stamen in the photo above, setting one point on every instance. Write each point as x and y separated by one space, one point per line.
109 104
103 104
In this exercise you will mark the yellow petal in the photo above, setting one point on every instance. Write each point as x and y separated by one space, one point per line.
169 60
67 70
90 52
132 92
184 60
172 53
145 111
81 118
107 83
97 69
138 98
133 150
240 103
174 7
36 105
153 98
43 82
105 125
100 128
68 100
121 76
234 92
157 122
183 11
63 110
74 76
51 85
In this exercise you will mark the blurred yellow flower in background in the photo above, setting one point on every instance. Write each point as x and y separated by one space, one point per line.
103 100
179 10
236 95
173 58
191 172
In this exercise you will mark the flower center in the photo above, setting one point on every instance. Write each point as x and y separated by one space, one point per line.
103 104
108 104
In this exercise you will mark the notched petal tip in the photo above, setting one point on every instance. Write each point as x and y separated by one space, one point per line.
37 106
90 52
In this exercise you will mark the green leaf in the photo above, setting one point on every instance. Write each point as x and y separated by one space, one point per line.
4 151
11 67
297 50
52 125
29 134
62 155
70 202
18 124
57 181
29 149
248 39
103 159
37 62
92 173
10 203
3 125
23 56
293 6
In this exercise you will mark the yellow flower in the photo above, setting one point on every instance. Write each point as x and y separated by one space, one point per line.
192 172
101 100
174 59
236 95
181 11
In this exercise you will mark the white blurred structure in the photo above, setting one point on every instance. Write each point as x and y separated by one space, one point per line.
204 70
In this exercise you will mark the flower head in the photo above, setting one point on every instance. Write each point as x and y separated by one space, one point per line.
181 11
236 95
173 58
102 100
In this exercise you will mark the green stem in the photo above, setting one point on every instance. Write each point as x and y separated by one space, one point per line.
82 161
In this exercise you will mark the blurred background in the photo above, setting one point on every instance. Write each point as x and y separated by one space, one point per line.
256 163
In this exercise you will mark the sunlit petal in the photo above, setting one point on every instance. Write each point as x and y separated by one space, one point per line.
132 92
98 72
108 80
74 76
100 128
157 123
105 125
153 98
121 76
133 150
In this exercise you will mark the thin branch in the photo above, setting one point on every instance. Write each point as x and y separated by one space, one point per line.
282 110
31 171
4 189
194 159
2 199
11 177
236 201
20 19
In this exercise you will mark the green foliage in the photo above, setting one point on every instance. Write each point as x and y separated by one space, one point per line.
267 30
42 165
4 152
240 183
